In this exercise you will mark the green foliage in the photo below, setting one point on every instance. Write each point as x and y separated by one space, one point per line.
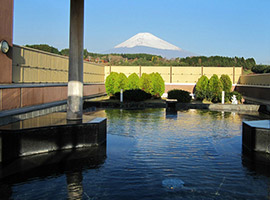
145 83
64 52
237 94
219 61
120 83
110 83
133 81
136 95
144 56
152 84
181 95
201 88
215 89
260 69
154 60
158 85
227 86
44 47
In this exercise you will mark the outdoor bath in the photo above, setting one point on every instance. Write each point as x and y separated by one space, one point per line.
194 154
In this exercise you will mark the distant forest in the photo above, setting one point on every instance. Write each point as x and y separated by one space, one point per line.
153 60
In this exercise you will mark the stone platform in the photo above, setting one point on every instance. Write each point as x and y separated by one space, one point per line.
50 133
256 136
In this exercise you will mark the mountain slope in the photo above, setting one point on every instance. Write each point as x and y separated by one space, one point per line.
150 44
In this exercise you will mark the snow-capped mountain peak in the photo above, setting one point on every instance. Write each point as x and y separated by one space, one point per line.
147 40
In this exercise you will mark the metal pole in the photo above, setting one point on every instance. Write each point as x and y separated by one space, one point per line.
75 74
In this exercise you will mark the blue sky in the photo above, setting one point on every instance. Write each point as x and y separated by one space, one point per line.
205 27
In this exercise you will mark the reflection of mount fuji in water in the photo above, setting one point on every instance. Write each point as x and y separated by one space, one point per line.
149 44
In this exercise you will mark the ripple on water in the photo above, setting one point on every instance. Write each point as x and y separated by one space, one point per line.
196 155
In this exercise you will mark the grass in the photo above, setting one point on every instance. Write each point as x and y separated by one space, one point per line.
247 71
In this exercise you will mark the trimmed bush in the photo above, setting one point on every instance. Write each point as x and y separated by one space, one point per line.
158 85
181 95
133 81
201 88
238 96
110 83
120 83
146 84
215 89
136 95
227 86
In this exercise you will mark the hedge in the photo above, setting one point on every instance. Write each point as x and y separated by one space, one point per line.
181 95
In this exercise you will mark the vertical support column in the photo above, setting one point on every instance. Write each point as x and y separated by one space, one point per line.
140 71
201 70
75 73
0 99
170 74
233 74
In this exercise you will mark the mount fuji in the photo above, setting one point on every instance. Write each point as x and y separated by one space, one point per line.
149 44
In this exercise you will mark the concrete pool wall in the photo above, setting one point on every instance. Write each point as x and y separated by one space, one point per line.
34 136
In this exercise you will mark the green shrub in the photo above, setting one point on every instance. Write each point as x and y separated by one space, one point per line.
158 84
215 89
136 95
110 83
201 88
237 94
133 95
133 81
181 95
145 83
259 69
227 86
267 69
120 83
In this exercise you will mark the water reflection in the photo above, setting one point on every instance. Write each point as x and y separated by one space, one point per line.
74 185
71 163
53 119
256 162
171 114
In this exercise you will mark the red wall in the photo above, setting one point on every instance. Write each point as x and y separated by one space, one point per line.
11 98
6 33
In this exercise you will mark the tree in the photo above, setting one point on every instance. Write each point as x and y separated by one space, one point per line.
158 84
226 85
215 89
145 83
120 83
64 52
44 47
201 88
110 83
133 81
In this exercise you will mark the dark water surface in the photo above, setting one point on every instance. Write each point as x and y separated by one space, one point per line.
148 149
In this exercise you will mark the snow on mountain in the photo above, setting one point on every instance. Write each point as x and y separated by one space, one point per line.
149 44
147 40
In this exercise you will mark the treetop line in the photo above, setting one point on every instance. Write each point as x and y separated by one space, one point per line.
154 60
